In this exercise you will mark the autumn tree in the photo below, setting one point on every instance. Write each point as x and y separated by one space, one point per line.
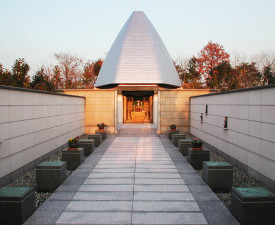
180 69
189 74
210 57
70 71
264 60
224 77
41 81
268 76
54 73
5 77
20 75
248 75
90 74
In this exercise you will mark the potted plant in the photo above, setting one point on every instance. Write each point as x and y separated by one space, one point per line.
173 126
197 144
73 142
101 126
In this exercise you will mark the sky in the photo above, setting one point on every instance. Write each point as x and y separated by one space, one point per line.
36 29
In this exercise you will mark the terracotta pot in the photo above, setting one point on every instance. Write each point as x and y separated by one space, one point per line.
173 129
101 127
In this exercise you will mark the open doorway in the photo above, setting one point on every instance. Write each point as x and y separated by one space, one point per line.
138 106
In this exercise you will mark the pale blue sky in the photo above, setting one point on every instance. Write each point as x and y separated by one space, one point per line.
35 29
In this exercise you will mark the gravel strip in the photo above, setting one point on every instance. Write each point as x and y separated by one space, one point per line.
29 180
240 178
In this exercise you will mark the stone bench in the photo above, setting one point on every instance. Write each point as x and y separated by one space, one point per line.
253 205
88 145
183 146
218 175
197 157
16 205
96 137
103 134
74 158
177 137
50 175
170 133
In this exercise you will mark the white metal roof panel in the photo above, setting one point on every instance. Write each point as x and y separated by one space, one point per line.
138 56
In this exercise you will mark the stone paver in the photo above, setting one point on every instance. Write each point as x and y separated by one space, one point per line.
133 180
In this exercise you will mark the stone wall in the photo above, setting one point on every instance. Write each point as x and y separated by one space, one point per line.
249 140
100 106
174 108
32 125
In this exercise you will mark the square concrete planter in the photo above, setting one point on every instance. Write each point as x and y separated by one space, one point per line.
103 134
171 132
183 146
96 137
197 157
218 175
177 137
50 175
16 205
74 158
88 145
253 205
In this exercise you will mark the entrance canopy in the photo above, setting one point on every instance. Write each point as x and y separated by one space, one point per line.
138 56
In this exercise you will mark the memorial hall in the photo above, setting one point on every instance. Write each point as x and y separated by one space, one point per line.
138 83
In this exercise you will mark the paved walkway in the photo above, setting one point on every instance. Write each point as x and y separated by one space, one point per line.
133 180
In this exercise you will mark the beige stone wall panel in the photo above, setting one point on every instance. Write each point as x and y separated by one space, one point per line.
99 107
175 108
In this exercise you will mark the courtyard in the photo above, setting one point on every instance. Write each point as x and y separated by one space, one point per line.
134 178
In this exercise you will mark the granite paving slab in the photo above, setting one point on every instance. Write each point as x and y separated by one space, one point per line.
165 206
104 206
111 187
168 218
110 181
95 218
160 188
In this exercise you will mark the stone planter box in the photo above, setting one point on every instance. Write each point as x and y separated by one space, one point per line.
103 134
88 145
96 137
177 137
50 175
74 158
171 132
183 146
197 157
16 205
253 205
218 175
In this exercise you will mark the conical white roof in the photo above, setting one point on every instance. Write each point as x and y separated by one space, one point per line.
138 56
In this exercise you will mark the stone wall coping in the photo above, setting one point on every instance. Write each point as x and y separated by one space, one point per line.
38 91
236 90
